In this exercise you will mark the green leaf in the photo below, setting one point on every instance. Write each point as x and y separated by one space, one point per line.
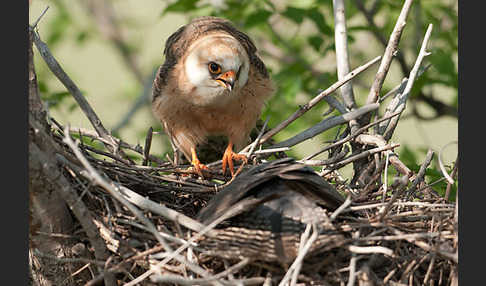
258 17
319 21
180 6
295 14
315 42
55 98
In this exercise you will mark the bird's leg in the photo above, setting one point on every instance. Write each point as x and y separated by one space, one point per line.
198 166
229 156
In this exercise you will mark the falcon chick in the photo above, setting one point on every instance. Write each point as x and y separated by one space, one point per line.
211 83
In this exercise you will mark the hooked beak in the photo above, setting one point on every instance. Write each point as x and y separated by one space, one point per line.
227 79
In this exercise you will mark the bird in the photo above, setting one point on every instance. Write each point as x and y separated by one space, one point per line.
212 83
265 210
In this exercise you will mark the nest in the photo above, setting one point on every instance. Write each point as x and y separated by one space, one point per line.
393 240
140 220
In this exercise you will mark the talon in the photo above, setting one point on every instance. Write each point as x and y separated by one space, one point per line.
228 158
196 164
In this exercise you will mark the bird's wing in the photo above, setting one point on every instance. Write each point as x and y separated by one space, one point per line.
260 182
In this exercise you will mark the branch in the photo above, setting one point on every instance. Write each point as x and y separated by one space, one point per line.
399 102
342 58
390 50
303 109
57 70
326 124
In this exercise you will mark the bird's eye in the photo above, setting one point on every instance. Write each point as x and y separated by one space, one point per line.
214 68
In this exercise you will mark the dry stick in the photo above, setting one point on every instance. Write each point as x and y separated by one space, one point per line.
136 148
78 208
148 144
350 137
378 140
152 206
300 257
421 173
114 191
401 87
341 208
399 102
334 103
172 279
441 164
385 179
304 108
361 155
303 239
40 17
164 211
257 140
220 275
327 124
390 50
370 249
342 58
449 186
447 255
57 70
402 183
238 208
352 263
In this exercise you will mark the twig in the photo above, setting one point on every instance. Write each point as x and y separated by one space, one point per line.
327 124
361 155
304 108
449 186
57 70
390 50
303 239
342 58
334 103
370 249
79 209
114 191
341 208
122 144
385 177
378 140
238 208
257 140
350 137
441 164
401 87
146 149
300 257
220 275
402 183
39 18
149 205
399 102
172 279
420 176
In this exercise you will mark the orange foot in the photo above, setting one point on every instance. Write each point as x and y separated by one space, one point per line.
228 158
197 165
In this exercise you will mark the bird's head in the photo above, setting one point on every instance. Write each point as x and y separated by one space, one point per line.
216 67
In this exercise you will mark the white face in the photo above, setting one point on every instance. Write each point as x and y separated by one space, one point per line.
229 55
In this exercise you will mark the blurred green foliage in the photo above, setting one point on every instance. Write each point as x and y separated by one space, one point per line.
296 40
